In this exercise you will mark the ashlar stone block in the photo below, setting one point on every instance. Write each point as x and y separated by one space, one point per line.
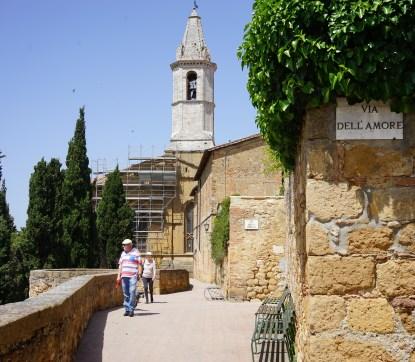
339 275
370 240
317 240
328 201
407 237
324 312
393 204
341 349
371 315
396 278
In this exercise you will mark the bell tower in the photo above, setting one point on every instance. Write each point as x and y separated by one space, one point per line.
193 91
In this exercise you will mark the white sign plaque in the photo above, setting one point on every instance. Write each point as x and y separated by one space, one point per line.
367 121
251 224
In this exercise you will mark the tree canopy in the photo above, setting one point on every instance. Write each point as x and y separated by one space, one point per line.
114 219
303 54
78 216
44 222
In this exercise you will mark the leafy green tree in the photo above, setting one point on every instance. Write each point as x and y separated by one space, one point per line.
8 271
6 221
44 223
78 215
114 219
303 54
220 232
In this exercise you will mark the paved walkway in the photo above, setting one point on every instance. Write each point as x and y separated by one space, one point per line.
179 327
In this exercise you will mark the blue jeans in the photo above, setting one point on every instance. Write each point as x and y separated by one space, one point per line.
128 288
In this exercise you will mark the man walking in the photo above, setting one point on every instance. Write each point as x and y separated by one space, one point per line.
130 267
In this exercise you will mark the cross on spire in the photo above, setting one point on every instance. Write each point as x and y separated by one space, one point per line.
195 5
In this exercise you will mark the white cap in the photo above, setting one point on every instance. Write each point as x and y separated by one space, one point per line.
126 242
149 253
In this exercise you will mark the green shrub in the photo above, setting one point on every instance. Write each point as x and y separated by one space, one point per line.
220 232
303 54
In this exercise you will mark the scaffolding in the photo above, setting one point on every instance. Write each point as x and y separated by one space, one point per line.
150 185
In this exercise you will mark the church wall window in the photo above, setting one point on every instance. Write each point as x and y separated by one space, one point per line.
191 85
188 242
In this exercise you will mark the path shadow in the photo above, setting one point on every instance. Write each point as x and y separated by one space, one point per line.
92 352
144 314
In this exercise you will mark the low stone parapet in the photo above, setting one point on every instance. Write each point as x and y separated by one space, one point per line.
44 279
172 281
49 327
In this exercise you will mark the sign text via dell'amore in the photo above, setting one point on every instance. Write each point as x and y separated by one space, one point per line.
367 121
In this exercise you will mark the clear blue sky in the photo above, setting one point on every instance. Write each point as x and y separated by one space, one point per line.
113 57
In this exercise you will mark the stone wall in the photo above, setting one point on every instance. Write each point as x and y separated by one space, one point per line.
49 327
256 263
172 281
350 245
238 168
41 281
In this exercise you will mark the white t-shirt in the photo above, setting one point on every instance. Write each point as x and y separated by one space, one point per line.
149 269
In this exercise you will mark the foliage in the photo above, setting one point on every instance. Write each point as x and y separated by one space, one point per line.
302 54
6 221
10 268
114 219
272 165
14 275
44 223
78 216
220 232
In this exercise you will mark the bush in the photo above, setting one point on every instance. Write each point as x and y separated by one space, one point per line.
303 54
220 232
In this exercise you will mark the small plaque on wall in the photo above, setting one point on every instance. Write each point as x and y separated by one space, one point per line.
367 121
251 224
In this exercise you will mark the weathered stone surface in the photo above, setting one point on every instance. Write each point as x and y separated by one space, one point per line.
339 275
407 237
412 358
320 162
317 240
252 282
250 248
408 319
370 315
171 281
396 278
332 201
365 161
370 240
42 280
49 326
324 312
344 350
393 204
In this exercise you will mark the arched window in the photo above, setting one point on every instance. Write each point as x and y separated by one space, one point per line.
191 85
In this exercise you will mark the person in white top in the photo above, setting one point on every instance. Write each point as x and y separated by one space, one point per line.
149 274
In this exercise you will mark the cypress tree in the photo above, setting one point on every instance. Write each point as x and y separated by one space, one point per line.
78 218
6 230
44 214
114 219
6 221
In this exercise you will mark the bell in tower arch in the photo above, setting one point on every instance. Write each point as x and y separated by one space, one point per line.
191 85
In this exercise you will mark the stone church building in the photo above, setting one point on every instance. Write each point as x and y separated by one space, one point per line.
175 196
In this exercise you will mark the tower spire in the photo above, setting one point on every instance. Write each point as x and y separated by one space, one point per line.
193 45
193 91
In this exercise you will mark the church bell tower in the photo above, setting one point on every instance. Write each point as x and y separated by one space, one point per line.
193 91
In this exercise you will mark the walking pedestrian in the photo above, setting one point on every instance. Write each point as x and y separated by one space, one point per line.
149 274
128 271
